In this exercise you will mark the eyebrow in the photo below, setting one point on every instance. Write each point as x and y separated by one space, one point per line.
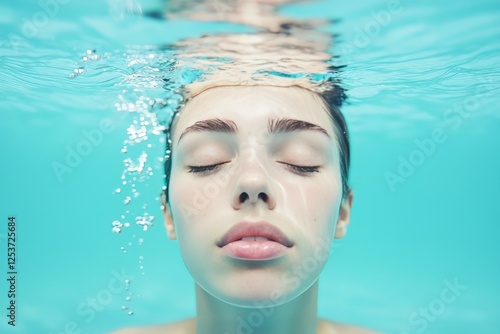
281 125
289 125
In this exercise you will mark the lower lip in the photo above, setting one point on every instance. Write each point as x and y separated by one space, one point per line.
254 250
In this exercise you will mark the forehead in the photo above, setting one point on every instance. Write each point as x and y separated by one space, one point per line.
250 106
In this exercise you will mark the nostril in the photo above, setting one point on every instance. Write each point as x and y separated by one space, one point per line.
262 196
243 197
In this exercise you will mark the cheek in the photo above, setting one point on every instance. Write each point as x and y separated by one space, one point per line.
187 214
182 202
320 195
193 202
317 205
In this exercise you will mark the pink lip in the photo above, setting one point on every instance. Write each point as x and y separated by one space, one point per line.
233 246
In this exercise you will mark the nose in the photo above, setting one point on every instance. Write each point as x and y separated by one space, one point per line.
253 188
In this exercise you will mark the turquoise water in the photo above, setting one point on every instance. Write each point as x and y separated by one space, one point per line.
423 86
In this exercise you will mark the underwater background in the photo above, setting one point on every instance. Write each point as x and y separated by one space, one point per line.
82 155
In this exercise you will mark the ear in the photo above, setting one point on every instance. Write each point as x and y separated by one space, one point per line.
167 218
344 215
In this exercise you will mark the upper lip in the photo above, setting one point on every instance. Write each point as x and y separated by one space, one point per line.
254 229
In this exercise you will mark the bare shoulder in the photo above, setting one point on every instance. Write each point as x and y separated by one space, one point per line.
186 326
331 327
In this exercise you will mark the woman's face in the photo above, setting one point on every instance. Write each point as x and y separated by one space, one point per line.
289 179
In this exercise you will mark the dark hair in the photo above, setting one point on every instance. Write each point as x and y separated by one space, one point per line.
333 99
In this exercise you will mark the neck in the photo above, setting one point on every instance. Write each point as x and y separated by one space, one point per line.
297 316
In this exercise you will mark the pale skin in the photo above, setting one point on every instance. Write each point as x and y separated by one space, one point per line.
290 179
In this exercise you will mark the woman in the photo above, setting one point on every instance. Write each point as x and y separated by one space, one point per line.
265 163
257 184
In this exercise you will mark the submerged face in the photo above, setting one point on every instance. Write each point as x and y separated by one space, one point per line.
258 154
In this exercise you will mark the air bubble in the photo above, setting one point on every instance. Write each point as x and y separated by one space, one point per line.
144 221
117 226
127 200
136 167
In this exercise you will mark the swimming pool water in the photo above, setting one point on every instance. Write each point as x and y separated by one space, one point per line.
423 85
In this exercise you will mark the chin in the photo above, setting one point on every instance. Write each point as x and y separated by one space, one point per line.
254 289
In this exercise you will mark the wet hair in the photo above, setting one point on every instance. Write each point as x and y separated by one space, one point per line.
332 99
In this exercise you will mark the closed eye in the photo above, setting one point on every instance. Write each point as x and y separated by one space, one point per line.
302 170
204 169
